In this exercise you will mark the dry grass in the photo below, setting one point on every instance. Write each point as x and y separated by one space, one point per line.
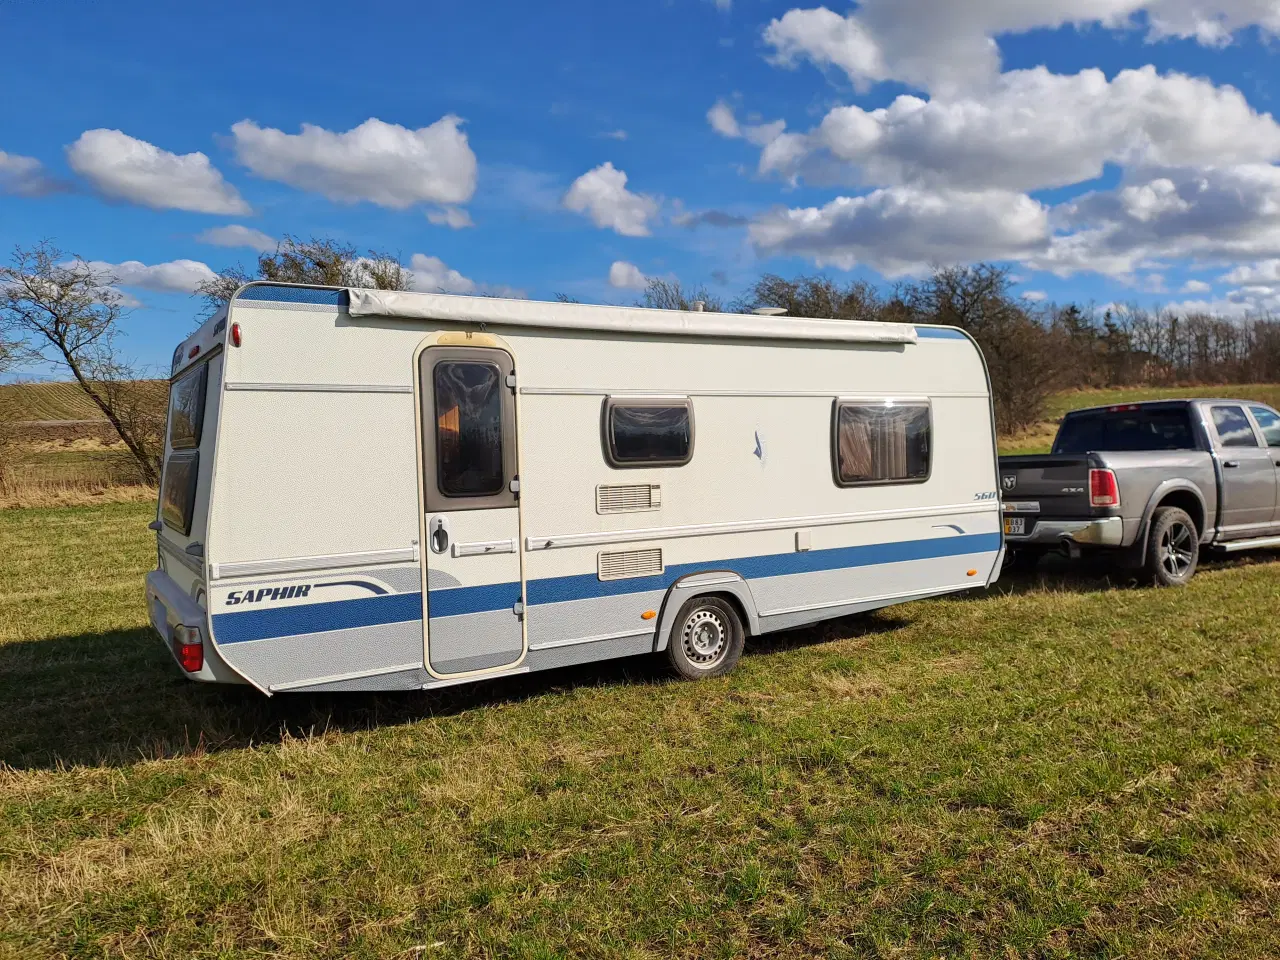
71 493
1059 768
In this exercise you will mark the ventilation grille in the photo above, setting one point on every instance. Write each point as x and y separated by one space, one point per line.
630 563
628 497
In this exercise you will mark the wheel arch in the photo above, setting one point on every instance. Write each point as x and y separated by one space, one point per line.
1184 495
722 583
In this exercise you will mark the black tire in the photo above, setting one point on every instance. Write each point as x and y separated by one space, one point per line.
706 639
1173 548
1022 560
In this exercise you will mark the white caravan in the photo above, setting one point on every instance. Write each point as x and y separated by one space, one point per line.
366 490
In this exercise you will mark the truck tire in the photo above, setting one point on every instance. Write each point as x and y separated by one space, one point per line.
1173 548
706 639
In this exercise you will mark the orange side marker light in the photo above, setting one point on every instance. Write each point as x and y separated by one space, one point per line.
648 614
973 573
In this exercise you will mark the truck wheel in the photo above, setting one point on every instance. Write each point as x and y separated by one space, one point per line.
1173 547
706 640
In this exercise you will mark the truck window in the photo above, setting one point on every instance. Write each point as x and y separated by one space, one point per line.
1134 429
468 398
1234 429
648 433
884 443
1269 421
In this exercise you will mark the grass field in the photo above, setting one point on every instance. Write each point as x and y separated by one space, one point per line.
1056 769
49 401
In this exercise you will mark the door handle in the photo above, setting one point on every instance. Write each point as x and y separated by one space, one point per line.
1231 464
438 534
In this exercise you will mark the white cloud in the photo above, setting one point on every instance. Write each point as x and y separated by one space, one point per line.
25 176
626 276
234 235
1250 301
176 276
723 4
383 163
1196 286
1265 271
723 122
431 275
614 135
454 217
1220 215
942 45
602 195
1035 296
901 230
1031 129
125 168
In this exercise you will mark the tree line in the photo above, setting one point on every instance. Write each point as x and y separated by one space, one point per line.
61 311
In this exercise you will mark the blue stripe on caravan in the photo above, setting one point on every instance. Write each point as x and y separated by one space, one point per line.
459 600
398 608
939 333
315 617
585 586
271 294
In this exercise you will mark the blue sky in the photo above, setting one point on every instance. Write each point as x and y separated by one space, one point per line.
742 137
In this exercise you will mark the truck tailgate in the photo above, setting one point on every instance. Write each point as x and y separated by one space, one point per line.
1050 486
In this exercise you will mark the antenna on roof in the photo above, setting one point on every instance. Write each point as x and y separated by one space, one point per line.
770 311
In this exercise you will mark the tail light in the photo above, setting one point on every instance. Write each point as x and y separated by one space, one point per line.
188 648
235 334
1103 489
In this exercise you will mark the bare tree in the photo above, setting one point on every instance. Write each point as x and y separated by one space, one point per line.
317 261
670 295
817 297
64 312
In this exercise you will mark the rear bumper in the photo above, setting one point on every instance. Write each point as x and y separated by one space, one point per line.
1104 532
167 607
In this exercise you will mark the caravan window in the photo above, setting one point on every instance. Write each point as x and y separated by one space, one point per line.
648 433
881 443
178 496
468 398
186 409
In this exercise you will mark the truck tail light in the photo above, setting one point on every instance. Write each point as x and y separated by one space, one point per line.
1103 489
188 648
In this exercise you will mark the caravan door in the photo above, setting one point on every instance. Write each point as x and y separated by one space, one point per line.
473 596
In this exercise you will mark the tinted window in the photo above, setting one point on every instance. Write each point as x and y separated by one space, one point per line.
1234 429
468 407
1120 430
882 444
186 409
1269 421
650 433
178 498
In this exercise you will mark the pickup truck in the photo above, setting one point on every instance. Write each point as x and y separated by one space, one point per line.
1152 483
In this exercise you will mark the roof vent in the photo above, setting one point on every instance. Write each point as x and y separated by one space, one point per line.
770 311
699 306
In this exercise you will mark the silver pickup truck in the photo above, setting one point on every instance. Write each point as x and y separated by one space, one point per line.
1155 483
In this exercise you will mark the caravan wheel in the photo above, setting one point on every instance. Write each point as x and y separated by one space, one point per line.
707 639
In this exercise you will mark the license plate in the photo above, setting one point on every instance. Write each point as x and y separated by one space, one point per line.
1015 526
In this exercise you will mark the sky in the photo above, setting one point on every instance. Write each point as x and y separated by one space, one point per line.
1104 150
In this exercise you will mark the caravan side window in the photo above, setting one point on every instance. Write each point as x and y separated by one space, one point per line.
648 433
881 443
186 408
468 428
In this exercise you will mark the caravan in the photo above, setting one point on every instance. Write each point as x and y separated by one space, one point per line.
372 490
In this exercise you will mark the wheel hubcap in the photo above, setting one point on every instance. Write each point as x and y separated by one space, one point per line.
1177 550
705 637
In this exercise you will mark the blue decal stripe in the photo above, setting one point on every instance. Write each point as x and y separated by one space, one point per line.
585 586
939 333
316 617
398 608
271 294
459 600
